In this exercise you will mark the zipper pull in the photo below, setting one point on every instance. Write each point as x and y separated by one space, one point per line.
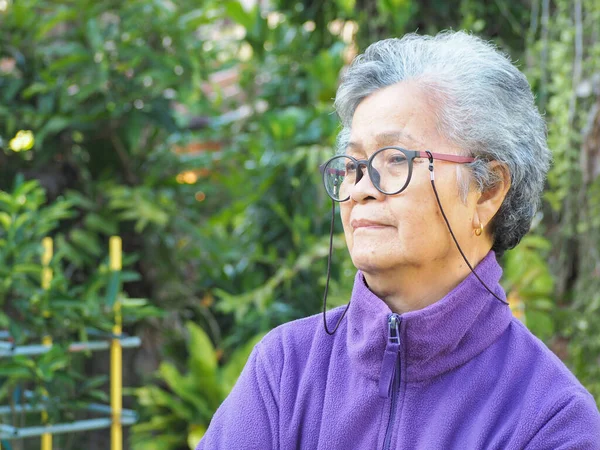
390 357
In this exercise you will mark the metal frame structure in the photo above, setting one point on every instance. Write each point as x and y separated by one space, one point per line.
115 415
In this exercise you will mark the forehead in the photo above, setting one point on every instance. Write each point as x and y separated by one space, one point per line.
399 138
396 115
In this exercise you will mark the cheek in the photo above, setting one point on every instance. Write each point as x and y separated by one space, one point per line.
459 215
345 210
417 218
413 231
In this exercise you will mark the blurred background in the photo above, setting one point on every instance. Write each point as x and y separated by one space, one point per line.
194 130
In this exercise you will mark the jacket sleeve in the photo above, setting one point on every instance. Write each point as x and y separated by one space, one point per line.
573 424
248 419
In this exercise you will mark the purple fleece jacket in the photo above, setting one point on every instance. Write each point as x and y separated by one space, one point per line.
462 373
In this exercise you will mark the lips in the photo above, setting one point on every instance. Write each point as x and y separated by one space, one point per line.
364 223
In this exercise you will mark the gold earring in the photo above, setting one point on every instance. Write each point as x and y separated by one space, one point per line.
479 230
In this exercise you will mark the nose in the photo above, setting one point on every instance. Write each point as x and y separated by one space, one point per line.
363 170
364 188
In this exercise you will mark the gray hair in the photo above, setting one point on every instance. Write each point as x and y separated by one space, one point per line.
484 106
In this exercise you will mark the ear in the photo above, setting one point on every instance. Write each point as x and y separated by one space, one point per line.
490 200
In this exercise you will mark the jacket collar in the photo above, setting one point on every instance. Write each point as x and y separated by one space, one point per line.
435 339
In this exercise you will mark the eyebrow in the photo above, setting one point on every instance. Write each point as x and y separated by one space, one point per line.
384 139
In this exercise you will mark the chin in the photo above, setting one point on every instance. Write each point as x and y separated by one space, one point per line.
369 263
387 257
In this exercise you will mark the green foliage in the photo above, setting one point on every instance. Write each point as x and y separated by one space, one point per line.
23 225
88 63
96 83
54 381
527 278
545 271
64 310
93 92
94 98
267 236
563 57
177 412
25 305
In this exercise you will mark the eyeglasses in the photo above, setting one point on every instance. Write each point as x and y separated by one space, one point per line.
390 170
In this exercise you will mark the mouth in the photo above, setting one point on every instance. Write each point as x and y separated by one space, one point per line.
367 225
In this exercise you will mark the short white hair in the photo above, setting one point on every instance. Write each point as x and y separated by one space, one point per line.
483 104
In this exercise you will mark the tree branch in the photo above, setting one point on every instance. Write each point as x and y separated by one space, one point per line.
577 60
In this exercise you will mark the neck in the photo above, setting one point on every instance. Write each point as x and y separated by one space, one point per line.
410 288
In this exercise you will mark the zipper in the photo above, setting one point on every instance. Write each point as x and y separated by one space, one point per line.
389 381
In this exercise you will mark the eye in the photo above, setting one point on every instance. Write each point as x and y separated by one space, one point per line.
350 167
398 158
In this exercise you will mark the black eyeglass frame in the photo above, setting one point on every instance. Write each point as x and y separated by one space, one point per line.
410 156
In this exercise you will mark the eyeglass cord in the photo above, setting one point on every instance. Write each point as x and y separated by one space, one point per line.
328 274
437 197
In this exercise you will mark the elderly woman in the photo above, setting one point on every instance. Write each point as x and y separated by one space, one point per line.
444 159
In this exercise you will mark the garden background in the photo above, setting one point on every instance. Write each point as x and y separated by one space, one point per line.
194 131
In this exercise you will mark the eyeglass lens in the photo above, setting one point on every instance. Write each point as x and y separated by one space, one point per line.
389 173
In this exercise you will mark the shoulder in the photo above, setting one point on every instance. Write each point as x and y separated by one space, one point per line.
553 401
572 420
532 358
293 343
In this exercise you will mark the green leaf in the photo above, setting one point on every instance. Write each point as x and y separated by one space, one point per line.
235 10
196 432
34 89
86 241
236 363
171 376
184 388
134 302
53 126
14 372
540 323
202 357
113 289
158 441
93 35
28 187
193 19
9 202
32 269
62 14
80 200
96 222
5 220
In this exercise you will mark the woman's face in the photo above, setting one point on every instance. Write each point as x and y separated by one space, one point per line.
406 230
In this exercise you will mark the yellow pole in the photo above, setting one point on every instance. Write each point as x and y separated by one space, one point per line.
116 355
47 245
